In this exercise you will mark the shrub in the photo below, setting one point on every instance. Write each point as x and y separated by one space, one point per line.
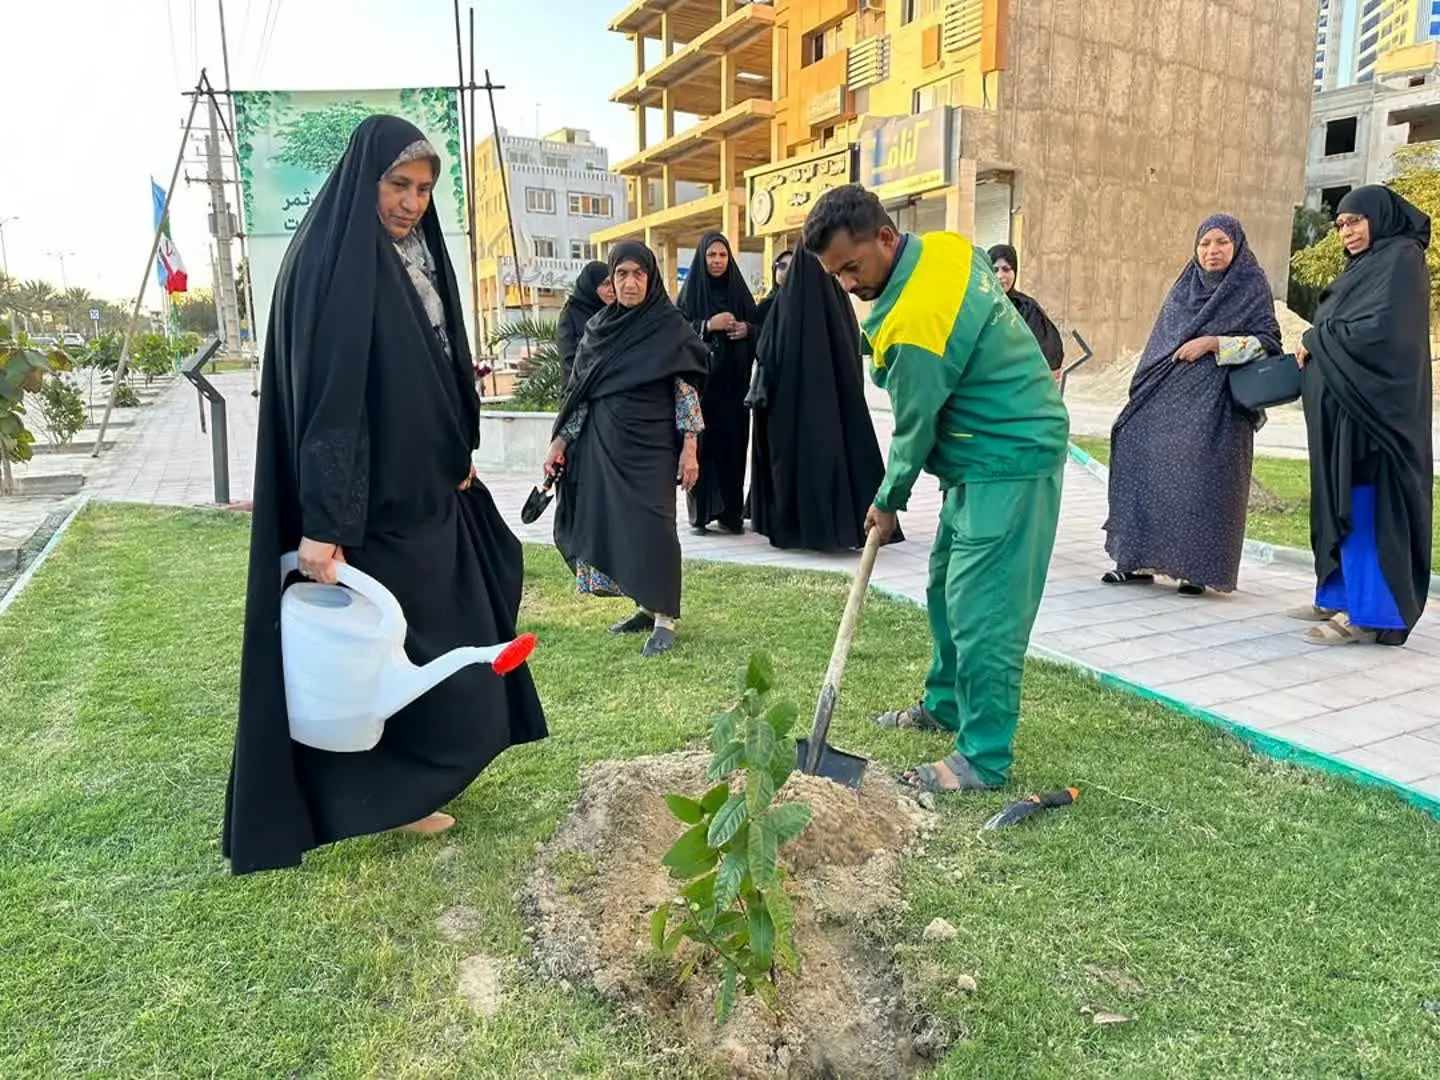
62 410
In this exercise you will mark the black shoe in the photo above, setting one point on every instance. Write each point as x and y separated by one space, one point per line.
660 642
700 530
1188 589
639 623
734 528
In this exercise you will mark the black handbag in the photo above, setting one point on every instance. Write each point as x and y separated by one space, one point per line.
1265 383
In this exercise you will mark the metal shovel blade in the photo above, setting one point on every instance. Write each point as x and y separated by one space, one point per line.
836 765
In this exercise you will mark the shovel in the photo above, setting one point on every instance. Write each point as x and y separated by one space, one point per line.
814 755
539 500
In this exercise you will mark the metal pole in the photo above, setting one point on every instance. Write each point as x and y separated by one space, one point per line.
149 267
220 451
490 88
469 147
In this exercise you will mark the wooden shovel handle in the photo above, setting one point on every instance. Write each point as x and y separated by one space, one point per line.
843 640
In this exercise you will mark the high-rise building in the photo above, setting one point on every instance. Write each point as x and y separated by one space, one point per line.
1352 34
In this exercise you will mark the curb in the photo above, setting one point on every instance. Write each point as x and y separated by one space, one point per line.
1260 551
18 585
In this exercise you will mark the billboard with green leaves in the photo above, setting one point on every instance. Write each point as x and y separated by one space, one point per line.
290 140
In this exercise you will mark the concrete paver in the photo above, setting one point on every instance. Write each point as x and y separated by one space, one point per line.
1236 657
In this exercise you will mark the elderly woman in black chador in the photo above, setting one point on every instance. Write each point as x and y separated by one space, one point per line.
816 464
627 432
1367 394
591 292
718 305
368 419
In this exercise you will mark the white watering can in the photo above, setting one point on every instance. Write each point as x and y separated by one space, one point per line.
346 671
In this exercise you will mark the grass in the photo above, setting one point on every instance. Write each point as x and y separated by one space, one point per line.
1280 922
1288 479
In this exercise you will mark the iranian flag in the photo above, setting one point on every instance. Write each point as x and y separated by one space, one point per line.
169 267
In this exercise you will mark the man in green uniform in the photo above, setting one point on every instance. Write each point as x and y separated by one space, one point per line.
975 405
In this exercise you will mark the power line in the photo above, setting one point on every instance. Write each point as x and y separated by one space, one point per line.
268 38
174 52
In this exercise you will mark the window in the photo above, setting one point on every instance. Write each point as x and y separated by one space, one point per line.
907 11
555 161
520 157
582 205
540 200
582 249
1340 136
823 43
1330 198
543 247
929 97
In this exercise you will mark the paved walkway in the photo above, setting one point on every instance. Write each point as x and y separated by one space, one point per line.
1234 658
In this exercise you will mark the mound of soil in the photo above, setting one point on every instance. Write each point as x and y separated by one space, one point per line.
847 1014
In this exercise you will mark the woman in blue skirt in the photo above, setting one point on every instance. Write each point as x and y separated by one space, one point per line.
1368 412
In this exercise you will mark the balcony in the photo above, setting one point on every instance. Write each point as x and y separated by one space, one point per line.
683 225
694 154
691 73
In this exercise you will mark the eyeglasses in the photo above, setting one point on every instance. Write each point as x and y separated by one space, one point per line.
1348 222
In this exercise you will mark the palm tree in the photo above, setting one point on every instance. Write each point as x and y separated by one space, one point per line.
76 303
540 377
36 298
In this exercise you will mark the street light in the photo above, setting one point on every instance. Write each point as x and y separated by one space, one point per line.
62 256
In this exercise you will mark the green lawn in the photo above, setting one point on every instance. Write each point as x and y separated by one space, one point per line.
1281 924
1288 479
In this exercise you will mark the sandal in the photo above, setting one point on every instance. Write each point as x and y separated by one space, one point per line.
924 778
1340 631
1126 577
1311 613
915 718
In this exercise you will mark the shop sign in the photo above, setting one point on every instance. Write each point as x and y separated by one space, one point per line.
779 196
903 156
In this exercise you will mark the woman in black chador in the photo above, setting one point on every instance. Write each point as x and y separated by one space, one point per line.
368 419
816 464
1368 401
626 434
591 292
717 303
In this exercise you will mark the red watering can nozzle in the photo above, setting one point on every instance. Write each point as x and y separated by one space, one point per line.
514 654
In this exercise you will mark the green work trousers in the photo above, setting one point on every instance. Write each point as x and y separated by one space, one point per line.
987 575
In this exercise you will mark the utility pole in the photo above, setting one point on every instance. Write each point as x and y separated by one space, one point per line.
222 228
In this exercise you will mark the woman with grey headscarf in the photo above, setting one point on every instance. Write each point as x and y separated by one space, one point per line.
368 419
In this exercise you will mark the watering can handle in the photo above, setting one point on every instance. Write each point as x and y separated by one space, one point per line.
392 618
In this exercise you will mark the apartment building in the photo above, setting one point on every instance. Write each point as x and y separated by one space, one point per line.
1355 131
561 190
1094 135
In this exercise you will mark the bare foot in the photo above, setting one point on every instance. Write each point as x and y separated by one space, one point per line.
429 826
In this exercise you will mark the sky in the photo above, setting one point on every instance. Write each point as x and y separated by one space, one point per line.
93 107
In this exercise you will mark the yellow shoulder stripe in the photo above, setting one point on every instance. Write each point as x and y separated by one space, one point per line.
924 313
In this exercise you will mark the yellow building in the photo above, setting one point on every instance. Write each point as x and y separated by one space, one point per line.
872 92
705 63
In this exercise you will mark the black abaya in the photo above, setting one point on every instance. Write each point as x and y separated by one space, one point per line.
615 510
720 493
1368 401
816 464
583 303
366 430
